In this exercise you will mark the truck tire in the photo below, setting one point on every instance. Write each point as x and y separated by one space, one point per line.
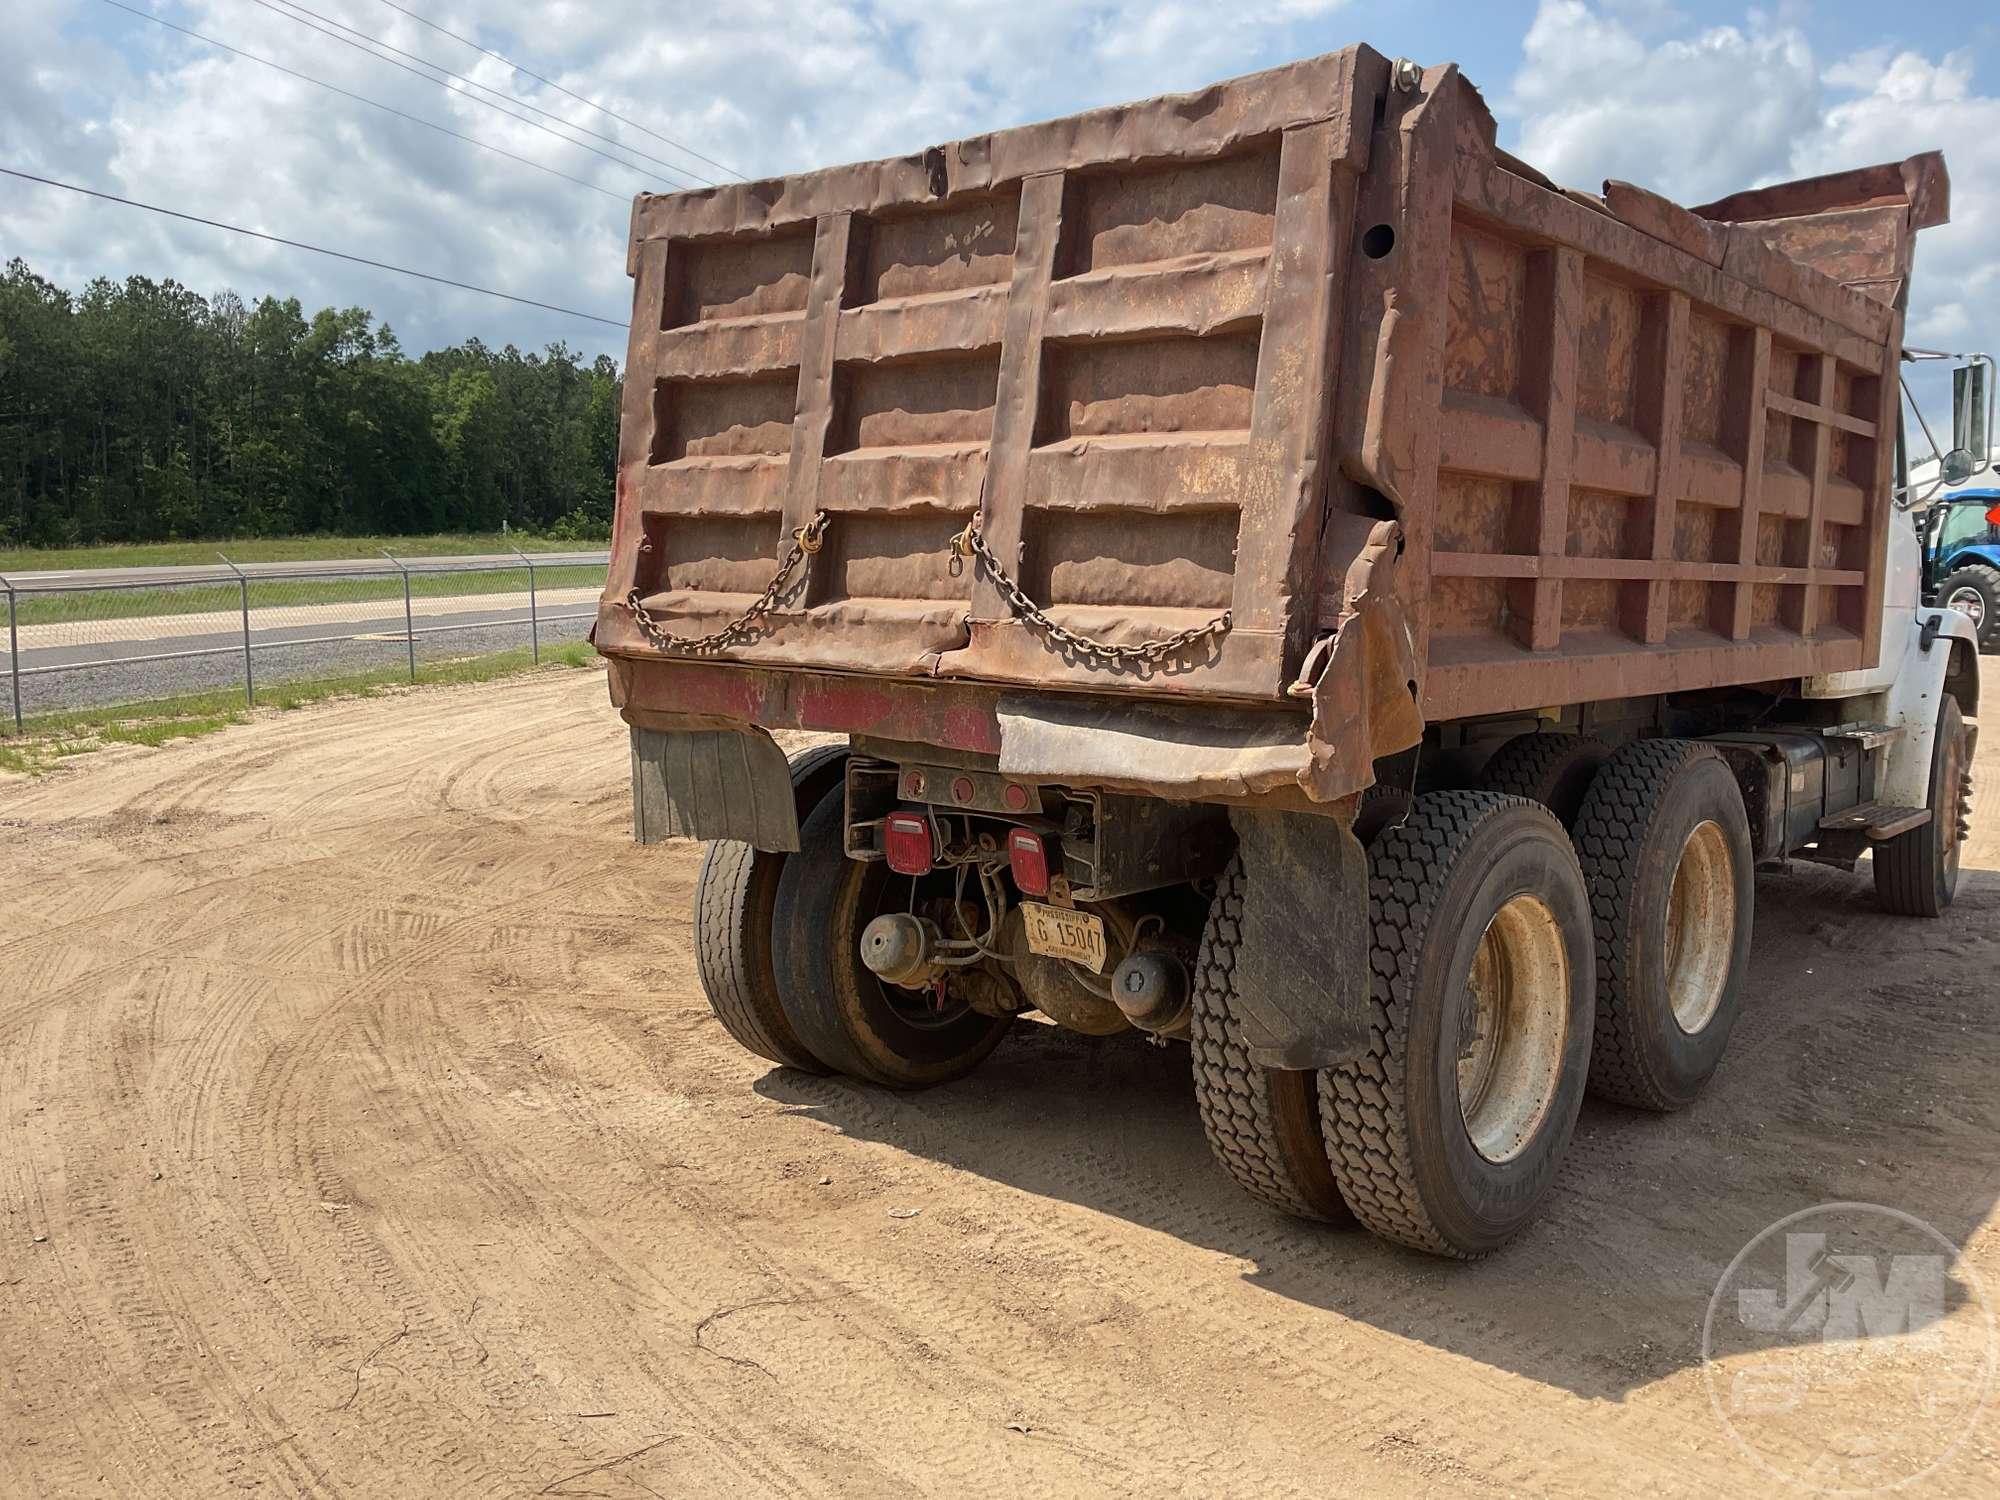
733 898
1262 1123
841 1012
1974 589
1447 1132
1665 849
1379 809
1553 769
1916 873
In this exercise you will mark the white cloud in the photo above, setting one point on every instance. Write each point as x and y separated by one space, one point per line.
1692 116
764 85
1709 112
1913 104
1628 88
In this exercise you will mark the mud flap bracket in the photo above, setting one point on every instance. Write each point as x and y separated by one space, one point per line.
1302 958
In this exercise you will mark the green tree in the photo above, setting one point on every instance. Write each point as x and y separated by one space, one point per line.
138 410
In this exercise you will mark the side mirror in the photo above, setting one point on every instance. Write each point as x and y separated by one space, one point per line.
1971 414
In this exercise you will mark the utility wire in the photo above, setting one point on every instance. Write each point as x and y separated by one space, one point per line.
519 103
336 89
551 83
359 260
441 83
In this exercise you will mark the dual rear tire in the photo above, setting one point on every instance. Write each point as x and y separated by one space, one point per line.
1665 849
777 947
735 897
1513 964
1447 1131
846 1016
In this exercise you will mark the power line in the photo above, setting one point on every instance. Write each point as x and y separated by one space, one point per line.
359 260
511 99
441 83
551 83
362 99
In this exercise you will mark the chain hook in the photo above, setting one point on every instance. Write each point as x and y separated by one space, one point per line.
811 536
806 541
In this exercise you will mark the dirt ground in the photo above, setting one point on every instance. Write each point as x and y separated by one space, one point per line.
363 1131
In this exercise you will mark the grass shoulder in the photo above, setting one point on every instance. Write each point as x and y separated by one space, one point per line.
48 740
275 549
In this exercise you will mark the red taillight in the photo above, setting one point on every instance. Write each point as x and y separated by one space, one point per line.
1993 515
1028 857
906 840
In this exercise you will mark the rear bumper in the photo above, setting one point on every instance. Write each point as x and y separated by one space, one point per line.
1213 753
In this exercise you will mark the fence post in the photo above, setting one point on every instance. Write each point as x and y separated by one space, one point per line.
409 624
534 615
14 648
243 589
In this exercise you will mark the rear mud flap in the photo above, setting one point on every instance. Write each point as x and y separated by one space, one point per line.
1302 964
712 784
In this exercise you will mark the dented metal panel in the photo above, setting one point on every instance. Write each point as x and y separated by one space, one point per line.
1302 357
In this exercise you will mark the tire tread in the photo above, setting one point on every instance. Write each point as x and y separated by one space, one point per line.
733 899
1533 766
1362 1104
1907 876
1610 842
1237 1097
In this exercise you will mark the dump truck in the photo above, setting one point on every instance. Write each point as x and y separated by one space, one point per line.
1273 574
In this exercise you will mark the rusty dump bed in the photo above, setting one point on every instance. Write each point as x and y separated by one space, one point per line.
1439 437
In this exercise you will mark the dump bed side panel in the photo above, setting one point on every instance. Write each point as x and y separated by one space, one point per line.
1080 331
1665 451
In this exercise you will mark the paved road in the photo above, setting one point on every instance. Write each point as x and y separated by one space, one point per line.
85 664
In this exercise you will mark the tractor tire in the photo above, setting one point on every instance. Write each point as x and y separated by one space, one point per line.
733 899
1446 1134
1262 1123
1916 873
1665 849
1974 589
1553 769
842 1013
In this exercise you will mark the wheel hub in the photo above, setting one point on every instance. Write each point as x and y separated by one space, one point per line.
1701 927
1513 1028
1968 601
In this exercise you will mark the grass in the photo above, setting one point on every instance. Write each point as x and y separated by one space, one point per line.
50 738
275 549
287 593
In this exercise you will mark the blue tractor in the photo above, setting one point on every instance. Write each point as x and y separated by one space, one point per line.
1962 558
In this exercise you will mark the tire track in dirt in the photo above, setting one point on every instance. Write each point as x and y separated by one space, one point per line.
457 1166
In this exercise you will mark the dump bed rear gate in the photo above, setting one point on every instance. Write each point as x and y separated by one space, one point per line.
1082 326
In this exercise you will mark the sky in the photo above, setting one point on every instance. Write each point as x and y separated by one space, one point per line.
1693 99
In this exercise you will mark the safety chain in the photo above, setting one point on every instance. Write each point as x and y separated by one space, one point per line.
972 541
806 541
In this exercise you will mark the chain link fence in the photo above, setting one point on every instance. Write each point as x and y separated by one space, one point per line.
125 635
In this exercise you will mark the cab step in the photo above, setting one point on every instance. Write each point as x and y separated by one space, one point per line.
1876 820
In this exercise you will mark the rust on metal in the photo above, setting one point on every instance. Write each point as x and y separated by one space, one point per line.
1304 350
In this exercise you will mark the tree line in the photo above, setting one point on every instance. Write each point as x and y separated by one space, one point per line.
141 411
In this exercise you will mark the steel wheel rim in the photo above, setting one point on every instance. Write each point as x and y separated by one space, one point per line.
1701 927
1968 601
1513 1029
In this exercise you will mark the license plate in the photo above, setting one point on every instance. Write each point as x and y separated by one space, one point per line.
1057 932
